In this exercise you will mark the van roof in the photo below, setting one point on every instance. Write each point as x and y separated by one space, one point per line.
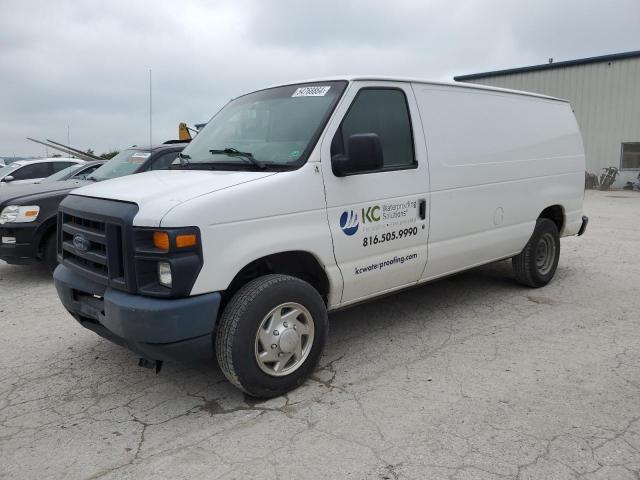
353 78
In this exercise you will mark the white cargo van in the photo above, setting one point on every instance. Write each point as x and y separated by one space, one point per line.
304 198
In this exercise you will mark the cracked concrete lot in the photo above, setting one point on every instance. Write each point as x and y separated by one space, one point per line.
471 377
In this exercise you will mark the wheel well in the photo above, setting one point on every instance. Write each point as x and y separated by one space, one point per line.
555 213
299 264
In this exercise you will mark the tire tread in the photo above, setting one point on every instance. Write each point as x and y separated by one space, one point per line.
523 263
49 252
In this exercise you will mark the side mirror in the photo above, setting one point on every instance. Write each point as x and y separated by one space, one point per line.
364 154
8 178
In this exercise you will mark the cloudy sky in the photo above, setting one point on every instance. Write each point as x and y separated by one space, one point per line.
86 64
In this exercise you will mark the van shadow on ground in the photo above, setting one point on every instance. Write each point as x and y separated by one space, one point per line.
102 377
351 330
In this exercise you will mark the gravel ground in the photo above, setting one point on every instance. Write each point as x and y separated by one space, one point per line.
471 377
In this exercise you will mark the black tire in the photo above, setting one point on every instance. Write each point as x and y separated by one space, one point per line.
537 263
49 253
235 341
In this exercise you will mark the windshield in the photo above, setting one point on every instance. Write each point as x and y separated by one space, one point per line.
278 127
124 163
61 174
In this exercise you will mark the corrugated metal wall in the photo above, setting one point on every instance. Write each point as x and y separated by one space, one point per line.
605 98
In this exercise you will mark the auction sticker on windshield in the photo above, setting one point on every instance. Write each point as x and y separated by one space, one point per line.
311 91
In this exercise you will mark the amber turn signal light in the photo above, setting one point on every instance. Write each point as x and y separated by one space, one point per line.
187 240
161 240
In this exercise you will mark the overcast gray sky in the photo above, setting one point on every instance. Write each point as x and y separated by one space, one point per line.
86 64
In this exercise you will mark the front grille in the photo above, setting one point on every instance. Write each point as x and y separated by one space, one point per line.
94 238
93 241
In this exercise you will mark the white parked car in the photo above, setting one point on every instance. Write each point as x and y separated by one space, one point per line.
32 171
304 198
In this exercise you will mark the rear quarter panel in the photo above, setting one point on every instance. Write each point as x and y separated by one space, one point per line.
496 161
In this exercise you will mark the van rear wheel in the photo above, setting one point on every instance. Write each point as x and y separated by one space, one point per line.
537 263
271 334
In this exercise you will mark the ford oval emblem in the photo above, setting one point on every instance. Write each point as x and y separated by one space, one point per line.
80 243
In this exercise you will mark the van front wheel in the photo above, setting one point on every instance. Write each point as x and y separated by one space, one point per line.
537 263
271 334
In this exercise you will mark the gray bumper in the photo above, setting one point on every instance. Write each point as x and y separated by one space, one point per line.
17 253
159 329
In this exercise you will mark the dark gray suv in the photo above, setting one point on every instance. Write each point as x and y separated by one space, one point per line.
28 213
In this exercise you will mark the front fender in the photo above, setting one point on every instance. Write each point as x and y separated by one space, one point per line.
228 248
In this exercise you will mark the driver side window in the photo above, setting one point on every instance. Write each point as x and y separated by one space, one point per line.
29 172
84 173
383 111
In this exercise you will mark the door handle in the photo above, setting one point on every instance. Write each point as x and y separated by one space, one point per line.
422 208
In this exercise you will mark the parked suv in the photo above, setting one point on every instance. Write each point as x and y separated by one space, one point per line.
31 171
28 212
304 198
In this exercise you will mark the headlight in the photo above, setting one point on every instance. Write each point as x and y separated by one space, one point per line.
19 214
167 260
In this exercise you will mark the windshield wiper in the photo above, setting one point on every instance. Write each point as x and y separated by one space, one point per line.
213 165
232 152
92 178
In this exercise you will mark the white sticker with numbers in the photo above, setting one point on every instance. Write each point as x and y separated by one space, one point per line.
311 91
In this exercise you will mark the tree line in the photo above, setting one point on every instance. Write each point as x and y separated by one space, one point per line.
106 155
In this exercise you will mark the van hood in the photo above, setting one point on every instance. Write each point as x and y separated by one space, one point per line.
172 187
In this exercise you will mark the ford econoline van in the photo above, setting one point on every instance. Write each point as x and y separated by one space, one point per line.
303 198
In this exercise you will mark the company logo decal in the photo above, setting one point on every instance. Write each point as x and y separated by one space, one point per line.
81 243
394 219
349 222
371 214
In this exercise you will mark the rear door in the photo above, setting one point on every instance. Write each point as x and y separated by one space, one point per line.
57 166
379 219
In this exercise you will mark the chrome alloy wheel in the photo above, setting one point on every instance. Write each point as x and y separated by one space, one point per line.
545 253
284 339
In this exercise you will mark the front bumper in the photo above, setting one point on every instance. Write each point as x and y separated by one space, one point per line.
23 251
157 329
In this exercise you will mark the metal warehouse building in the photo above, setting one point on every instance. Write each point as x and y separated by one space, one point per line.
605 95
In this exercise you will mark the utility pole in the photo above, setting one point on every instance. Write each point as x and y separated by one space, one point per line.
150 112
